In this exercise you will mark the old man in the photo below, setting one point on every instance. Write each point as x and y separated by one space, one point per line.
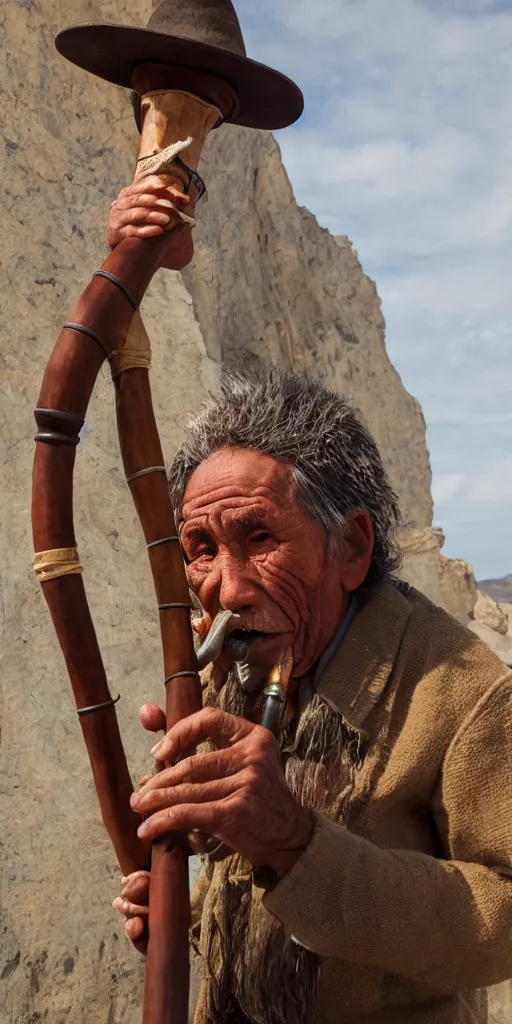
360 867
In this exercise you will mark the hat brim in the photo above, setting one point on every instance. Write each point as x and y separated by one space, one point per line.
267 98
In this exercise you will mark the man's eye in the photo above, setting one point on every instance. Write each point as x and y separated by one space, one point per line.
260 537
204 552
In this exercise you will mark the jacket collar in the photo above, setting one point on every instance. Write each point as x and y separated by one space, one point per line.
355 678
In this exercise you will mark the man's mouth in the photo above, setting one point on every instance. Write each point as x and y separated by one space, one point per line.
241 641
227 634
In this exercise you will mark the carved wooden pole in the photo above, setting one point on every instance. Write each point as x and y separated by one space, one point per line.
105 324
190 69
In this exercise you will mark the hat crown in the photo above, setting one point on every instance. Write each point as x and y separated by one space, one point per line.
204 21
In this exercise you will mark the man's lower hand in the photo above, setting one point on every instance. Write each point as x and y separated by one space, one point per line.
133 903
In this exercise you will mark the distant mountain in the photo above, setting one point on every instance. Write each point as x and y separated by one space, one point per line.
500 590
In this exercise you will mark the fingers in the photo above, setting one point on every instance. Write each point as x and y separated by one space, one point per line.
217 764
135 888
152 718
145 210
136 929
133 904
210 723
152 185
138 215
182 818
153 200
129 909
132 231
153 800
148 208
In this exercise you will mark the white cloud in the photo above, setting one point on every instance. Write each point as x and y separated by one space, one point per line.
487 486
447 486
406 147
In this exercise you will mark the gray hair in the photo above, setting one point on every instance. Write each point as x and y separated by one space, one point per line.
335 461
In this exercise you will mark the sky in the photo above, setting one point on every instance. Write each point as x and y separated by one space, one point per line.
406 147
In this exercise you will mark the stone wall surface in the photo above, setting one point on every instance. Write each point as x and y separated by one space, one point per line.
267 282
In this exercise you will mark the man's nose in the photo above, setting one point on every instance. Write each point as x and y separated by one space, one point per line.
237 588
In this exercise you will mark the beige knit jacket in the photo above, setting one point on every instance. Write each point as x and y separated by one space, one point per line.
410 900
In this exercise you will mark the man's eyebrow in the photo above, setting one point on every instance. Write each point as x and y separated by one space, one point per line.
193 532
250 519
254 517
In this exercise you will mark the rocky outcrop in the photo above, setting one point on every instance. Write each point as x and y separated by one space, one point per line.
501 645
507 608
458 587
267 283
492 614
446 581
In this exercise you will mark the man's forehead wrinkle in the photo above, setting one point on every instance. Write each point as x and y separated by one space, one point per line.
218 510
220 502
275 483
249 515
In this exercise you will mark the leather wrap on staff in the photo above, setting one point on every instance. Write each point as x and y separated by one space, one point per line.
103 326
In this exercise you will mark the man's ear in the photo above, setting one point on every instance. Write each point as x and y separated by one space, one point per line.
356 549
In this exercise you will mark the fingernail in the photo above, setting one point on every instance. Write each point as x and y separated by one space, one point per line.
124 881
142 830
154 750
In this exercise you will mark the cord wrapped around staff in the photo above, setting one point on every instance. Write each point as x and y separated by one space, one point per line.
103 325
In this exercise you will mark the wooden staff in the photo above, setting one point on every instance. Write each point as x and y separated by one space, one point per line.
105 324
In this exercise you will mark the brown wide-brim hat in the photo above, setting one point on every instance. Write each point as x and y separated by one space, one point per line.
201 35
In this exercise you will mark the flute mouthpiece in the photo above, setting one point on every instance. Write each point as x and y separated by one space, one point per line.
282 670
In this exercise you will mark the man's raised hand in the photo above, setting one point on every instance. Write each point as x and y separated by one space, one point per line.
145 210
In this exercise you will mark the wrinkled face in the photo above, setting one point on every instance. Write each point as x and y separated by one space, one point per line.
252 549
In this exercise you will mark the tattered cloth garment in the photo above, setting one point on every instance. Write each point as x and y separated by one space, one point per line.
255 973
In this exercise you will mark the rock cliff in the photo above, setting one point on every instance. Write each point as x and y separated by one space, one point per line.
267 282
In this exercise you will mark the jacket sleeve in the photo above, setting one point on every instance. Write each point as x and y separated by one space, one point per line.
447 922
